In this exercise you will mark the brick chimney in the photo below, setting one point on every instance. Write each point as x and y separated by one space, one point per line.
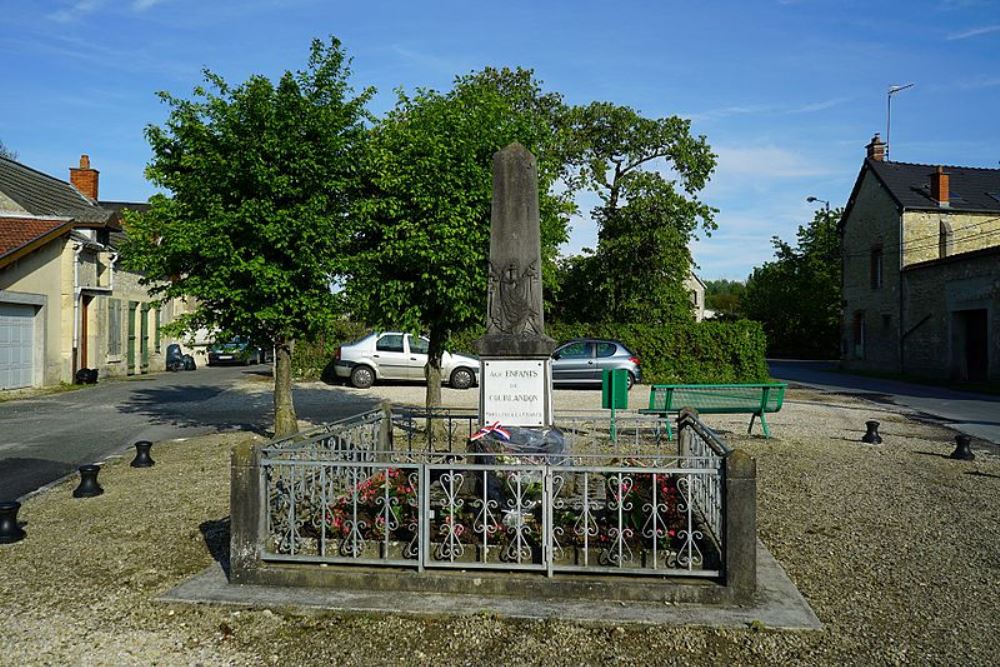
876 148
939 187
84 178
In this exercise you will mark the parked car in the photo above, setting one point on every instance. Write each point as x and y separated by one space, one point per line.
392 355
581 361
237 351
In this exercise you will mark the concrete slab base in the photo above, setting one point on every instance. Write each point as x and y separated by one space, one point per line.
778 604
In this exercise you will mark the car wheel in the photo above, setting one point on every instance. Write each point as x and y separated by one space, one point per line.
362 377
631 380
462 378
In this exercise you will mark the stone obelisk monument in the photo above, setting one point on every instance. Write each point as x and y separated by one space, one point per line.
515 363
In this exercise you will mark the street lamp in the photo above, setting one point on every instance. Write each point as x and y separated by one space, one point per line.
812 199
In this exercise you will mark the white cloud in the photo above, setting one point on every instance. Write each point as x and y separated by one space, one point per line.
974 32
765 162
80 8
818 106
754 109
75 10
726 112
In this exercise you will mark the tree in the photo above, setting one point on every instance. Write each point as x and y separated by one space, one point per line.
724 297
797 296
645 219
260 179
8 153
423 225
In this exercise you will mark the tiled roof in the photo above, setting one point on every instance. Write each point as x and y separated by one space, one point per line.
970 189
16 233
43 195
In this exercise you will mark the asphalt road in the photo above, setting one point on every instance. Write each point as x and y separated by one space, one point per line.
977 415
43 439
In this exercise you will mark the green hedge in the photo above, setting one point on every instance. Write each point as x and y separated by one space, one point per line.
314 360
698 353
704 352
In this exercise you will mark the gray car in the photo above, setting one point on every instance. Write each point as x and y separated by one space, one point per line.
392 355
581 361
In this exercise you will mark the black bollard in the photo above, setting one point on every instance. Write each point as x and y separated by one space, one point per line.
962 451
10 532
142 458
88 482
871 436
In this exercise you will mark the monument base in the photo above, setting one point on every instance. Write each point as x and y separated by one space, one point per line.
506 346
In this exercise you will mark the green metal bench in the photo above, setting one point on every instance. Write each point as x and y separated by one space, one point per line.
753 399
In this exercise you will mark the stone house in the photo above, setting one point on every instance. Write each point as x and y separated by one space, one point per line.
65 304
696 292
921 270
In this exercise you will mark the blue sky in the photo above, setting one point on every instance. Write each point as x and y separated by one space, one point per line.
788 91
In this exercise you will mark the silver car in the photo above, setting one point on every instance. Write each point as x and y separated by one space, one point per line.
581 361
392 355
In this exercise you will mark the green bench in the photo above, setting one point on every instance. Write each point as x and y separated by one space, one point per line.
752 399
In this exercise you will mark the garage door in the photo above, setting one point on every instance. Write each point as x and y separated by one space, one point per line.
17 345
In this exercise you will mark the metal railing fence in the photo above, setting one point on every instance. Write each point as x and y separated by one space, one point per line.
360 492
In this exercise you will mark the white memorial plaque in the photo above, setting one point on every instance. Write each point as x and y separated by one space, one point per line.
514 392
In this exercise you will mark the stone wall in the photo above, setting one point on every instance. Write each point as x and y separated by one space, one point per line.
874 223
40 274
935 294
967 232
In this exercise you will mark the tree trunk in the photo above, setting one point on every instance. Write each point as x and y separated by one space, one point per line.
432 371
435 428
285 421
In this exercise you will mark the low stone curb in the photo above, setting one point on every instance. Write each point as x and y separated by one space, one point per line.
777 605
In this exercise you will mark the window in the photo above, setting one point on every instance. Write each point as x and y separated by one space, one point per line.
876 267
418 345
390 343
886 321
114 327
606 349
580 350
694 298
945 239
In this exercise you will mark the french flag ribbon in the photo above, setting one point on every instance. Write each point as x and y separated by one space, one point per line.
493 428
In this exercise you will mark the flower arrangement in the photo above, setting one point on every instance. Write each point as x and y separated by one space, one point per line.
384 503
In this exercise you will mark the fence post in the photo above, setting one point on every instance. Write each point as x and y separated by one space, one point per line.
740 542
244 512
385 428
684 417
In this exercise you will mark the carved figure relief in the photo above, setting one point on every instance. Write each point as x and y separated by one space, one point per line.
512 301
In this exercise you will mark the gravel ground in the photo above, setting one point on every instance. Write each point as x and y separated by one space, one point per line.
895 547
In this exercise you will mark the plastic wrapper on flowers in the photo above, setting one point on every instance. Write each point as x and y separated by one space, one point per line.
532 446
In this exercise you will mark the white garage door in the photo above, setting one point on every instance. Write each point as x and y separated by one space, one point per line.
17 345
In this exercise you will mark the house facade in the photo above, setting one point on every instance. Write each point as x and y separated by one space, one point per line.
921 270
696 293
65 304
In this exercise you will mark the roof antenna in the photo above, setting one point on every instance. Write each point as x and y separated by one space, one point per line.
888 113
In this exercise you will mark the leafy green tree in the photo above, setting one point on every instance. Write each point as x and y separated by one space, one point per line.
724 297
797 296
423 225
647 174
260 178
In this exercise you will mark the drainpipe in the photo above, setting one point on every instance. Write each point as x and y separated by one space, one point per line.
111 269
902 279
77 251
